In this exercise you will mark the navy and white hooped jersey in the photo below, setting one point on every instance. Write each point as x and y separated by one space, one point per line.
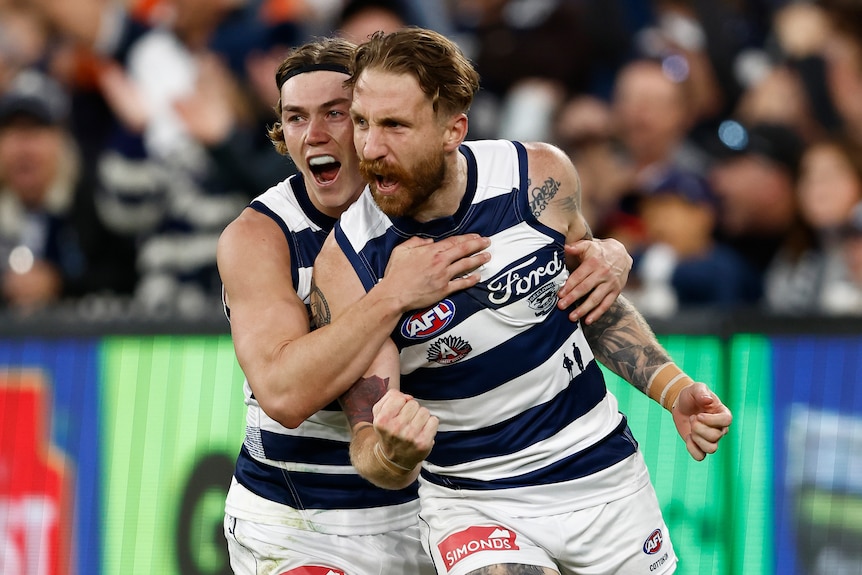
525 416
303 477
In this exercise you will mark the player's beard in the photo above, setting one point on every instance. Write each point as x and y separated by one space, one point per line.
417 185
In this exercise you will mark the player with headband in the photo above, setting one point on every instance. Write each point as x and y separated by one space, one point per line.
296 505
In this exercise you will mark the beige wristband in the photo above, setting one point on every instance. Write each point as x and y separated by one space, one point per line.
666 384
388 463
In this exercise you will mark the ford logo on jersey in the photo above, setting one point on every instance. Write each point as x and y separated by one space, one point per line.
523 278
428 322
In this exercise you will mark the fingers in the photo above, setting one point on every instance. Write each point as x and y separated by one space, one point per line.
462 256
468 243
468 248
406 428
596 279
696 452
597 303
413 242
706 431
390 405
466 263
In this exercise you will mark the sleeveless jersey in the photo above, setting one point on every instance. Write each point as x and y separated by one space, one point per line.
303 477
525 417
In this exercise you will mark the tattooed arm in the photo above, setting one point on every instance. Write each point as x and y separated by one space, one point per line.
598 268
392 433
292 370
621 339
623 342
392 436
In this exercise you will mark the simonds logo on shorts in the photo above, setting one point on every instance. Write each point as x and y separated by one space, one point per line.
652 545
473 540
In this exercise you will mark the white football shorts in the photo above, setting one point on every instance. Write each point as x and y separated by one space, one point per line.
257 549
626 536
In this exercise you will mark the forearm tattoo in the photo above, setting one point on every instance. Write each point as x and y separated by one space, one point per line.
541 197
356 402
623 342
319 307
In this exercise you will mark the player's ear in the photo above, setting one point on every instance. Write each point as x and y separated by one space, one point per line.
456 132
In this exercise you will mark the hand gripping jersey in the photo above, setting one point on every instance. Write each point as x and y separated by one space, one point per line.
303 477
525 416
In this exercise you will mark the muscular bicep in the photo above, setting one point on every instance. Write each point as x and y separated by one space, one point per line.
555 192
266 314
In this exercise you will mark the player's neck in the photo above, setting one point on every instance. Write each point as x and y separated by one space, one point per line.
447 199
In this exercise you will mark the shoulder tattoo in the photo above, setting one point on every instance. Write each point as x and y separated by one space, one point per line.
541 196
572 203
319 308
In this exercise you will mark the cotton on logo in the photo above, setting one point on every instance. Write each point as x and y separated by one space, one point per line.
473 540
313 570
652 545
428 322
35 516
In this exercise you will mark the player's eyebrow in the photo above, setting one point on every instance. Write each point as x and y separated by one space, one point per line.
323 106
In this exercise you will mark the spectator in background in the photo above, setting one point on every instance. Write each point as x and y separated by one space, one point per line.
754 178
229 115
821 42
850 293
359 19
23 40
53 242
842 54
682 265
177 183
652 116
792 89
583 128
531 56
690 38
812 276
515 40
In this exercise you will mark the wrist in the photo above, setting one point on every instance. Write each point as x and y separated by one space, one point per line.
392 297
388 464
666 384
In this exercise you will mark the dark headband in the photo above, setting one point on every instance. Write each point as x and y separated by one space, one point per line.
315 68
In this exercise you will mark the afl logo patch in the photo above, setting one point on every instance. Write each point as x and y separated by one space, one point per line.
428 322
652 545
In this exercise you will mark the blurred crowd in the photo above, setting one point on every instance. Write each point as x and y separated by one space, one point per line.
719 140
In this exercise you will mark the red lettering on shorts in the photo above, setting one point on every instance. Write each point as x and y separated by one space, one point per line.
474 540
